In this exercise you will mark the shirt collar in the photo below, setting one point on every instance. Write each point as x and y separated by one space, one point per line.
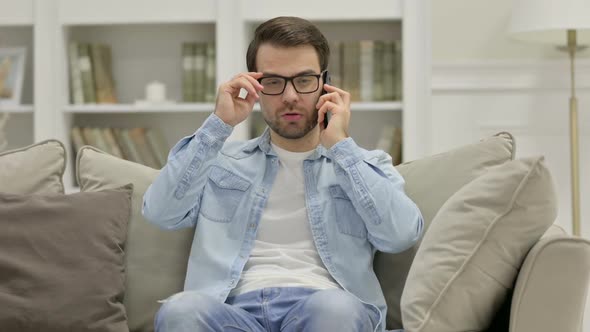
263 143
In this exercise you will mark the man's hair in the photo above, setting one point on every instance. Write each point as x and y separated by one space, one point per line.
288 31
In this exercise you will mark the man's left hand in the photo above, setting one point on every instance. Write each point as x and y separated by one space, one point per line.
337 102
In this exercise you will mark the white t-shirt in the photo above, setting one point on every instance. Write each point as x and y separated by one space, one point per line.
284 254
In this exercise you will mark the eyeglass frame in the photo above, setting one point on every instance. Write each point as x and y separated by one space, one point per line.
323 75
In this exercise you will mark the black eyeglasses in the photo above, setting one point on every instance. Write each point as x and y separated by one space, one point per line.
275 85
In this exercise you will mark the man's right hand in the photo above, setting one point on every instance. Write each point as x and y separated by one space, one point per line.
229 107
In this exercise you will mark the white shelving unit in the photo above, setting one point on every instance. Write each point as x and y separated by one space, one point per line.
146 36
16 30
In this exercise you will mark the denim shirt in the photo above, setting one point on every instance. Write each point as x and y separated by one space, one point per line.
355 203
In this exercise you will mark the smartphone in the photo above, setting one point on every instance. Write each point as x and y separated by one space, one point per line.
327 80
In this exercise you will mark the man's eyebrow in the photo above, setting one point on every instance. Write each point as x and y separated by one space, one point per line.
308 71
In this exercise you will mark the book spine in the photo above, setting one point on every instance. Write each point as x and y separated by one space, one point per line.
187 77
366 70
211 70
85 64
76 90
200 71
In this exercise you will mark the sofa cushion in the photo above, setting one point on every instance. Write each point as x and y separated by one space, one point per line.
45 164
62 261
471 254
156 259
429 183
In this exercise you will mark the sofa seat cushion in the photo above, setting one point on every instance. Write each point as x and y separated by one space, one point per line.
37 168
62 261
470 256
430 181
157 259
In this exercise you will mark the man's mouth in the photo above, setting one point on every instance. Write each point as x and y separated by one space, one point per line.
292 116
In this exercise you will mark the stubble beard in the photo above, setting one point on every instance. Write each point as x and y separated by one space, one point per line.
291 130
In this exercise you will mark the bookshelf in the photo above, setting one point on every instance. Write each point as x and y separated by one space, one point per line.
16 30
146 37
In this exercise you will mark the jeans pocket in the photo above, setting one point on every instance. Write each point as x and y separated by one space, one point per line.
222 195
348 220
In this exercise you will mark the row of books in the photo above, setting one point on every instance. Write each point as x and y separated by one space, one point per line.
390 141
146 146
370 70
198 72
91 73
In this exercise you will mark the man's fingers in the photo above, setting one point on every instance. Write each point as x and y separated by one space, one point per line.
345 95
253 79
333 96
328 106
242 82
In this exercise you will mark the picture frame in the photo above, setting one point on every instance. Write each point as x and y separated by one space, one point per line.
12 70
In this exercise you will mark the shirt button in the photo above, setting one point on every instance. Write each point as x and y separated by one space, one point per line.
252 225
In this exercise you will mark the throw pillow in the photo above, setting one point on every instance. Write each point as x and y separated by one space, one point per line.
62 261
35 169
156 259
429 183
470 256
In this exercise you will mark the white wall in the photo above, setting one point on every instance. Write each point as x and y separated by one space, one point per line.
467 29
484 82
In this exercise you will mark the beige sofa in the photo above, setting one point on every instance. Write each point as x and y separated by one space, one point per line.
490 260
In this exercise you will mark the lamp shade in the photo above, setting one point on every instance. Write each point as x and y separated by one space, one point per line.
548 20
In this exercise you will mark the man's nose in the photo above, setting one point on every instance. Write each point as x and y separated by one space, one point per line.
290 94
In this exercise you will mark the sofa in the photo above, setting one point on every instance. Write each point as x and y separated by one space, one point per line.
491 258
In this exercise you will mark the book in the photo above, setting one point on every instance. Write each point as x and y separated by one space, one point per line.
396 151
211 85
77 139
335 64
76 90
366 70
103 76
200 71
110 140
390 141
86 73
122 145
397 70
99 140
125 139
378 75
188 84
158 145
351 69
138 137
388 70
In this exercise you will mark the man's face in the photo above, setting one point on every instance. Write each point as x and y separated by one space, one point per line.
291 115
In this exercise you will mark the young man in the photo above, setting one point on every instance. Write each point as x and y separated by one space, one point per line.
286 224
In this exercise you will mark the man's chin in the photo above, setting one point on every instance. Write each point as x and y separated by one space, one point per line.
292 133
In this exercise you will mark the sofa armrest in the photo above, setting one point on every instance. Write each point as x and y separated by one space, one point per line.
551 287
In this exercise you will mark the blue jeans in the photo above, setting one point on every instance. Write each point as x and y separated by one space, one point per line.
285 309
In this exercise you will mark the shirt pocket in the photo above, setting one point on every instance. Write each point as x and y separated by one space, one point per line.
348 220
222 195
